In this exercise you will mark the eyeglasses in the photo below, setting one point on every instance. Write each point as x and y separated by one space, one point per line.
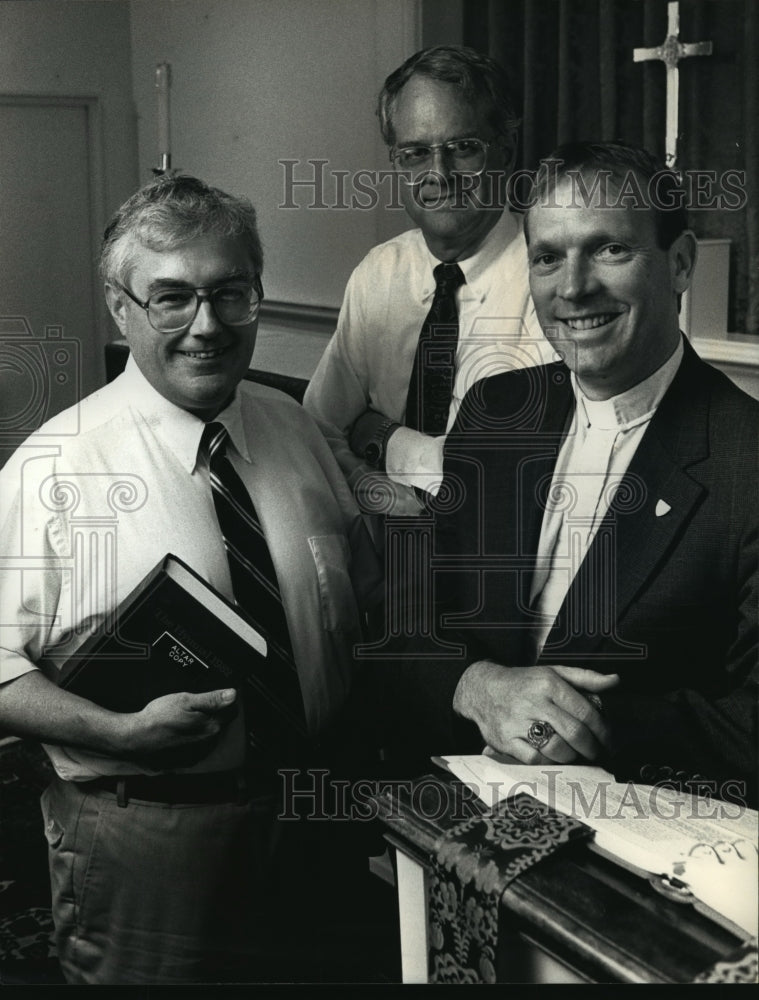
173 309
465 156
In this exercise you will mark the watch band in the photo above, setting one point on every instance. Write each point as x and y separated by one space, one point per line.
374 453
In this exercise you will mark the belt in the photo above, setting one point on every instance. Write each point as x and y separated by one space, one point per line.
187 789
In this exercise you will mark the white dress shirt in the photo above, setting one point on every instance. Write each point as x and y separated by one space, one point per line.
369 360
603 437
85 516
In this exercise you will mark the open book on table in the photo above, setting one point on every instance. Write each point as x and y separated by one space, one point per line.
701 847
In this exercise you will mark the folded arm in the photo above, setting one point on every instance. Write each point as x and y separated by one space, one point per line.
343 395
408 457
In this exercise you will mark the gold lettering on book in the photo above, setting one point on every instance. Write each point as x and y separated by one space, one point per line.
180 634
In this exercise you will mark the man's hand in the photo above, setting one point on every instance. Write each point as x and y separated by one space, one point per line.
505 701
173 731
178 730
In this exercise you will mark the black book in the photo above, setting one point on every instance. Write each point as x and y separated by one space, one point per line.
174 632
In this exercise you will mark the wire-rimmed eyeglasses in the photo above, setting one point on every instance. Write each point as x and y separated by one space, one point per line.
463 156
174 308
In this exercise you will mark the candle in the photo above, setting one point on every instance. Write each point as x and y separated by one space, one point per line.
163 82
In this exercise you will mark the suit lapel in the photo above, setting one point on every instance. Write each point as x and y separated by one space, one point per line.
531 477
654 500
503 450
537 462
506 461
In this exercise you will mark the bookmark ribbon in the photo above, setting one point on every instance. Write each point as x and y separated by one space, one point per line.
475 863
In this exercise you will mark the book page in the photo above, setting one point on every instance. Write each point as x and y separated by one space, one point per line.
204 593
708 844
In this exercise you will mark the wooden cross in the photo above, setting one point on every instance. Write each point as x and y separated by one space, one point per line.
670 52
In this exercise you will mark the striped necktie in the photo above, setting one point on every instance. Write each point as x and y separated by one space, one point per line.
273 705
431 385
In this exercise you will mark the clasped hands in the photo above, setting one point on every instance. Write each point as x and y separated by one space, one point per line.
505 701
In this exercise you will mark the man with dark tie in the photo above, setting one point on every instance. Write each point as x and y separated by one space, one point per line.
596 589
161 823
431 311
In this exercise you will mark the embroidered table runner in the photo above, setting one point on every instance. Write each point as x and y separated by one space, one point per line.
474 864
741 967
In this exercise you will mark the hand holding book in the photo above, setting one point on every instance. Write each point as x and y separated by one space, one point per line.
175 636
177 730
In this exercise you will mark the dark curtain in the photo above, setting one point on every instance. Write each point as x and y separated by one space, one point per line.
571 63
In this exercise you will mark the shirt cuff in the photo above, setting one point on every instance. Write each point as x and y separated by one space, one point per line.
13 665
415 459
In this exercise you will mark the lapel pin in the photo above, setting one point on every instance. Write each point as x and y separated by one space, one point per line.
662 507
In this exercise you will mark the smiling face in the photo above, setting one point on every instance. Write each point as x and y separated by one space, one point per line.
604 291
454 214
198 368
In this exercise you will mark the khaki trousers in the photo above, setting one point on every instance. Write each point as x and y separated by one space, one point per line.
153 893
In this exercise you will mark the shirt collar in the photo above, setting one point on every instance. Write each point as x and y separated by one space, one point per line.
180 430
499 237
634 405
231 417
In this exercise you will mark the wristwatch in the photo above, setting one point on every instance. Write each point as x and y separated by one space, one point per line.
374 451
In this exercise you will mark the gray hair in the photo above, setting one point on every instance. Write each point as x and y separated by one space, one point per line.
172 210
481 80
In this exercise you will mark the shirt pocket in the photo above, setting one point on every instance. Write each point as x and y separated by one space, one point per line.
332 557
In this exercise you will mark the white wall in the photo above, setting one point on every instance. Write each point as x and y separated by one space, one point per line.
77 48
258 81
68 161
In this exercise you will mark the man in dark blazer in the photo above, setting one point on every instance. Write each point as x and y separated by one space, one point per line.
594 566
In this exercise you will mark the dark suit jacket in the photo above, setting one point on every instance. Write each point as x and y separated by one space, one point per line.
666 596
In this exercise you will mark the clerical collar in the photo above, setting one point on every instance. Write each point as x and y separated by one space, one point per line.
632 406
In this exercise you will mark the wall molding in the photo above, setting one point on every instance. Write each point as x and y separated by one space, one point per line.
732 352
317 319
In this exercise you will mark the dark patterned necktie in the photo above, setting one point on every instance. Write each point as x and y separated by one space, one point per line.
431 387
272 699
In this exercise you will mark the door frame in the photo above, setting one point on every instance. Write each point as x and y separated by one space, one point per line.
91 104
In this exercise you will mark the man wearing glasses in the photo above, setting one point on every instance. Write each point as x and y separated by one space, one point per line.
160 840
440 306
